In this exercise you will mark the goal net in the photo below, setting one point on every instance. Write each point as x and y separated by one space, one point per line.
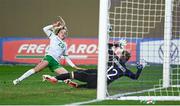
152 30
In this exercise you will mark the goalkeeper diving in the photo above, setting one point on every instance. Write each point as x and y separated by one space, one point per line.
116 69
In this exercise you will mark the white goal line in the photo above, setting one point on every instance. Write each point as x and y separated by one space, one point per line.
158 98
131 93
126 96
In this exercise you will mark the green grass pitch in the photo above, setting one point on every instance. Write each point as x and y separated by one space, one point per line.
33 91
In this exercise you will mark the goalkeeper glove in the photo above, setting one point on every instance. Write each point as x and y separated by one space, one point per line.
122 43
139 66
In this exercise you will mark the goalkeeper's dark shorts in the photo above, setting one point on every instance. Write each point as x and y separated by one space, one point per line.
89 76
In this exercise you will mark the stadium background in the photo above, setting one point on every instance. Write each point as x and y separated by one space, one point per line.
26 18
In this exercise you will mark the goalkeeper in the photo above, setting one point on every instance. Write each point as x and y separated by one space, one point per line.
116 69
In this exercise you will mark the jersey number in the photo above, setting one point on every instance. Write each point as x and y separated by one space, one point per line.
61 45
112 74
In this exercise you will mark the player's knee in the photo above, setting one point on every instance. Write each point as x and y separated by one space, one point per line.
36 69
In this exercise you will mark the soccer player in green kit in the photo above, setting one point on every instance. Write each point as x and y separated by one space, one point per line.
56 33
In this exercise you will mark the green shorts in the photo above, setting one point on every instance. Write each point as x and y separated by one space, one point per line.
53 64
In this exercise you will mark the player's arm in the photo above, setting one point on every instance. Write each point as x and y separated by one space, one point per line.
49 30
136 75
110 45
120 44
111 51
68 60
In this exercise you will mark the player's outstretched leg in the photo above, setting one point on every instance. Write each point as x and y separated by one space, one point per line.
32 71
24 76
16 81
49 78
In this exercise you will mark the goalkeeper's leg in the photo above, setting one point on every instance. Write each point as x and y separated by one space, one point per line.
83 76
64 77
88 76
78 75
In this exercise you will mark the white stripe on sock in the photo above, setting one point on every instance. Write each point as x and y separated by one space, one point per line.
26 74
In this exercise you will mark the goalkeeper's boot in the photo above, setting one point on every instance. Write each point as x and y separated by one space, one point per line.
71 83
45 77
16 81
50 79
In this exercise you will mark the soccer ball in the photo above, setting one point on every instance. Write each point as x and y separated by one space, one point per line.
150 102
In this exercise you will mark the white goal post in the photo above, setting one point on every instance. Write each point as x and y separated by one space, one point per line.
127 26
167 42
102 55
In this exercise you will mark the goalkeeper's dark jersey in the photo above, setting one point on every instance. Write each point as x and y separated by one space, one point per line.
117 68
114 72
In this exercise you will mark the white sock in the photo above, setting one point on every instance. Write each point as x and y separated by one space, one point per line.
26 74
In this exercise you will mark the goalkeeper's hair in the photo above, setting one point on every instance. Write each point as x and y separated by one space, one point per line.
126 54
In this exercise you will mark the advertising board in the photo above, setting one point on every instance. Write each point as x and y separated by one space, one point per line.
80 50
